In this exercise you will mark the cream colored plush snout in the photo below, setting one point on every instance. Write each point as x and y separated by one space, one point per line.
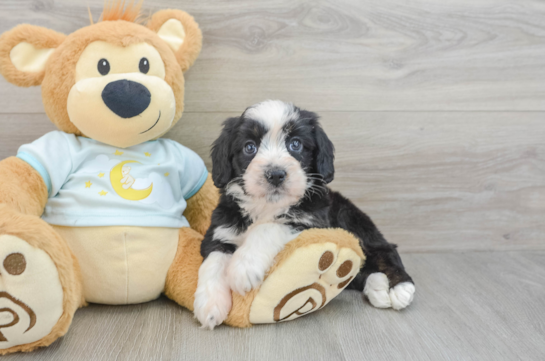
89 111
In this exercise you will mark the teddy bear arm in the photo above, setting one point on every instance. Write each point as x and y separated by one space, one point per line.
200 207
23 188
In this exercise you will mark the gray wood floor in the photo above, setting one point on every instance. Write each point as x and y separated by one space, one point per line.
472 306
437 111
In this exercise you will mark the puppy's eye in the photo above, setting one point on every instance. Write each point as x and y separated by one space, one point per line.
296 145
250 148
103 66
144 65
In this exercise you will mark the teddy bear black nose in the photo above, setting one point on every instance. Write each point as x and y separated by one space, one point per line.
126 98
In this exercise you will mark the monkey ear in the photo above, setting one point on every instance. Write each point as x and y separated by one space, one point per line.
222 169
324 154
24 51
181 32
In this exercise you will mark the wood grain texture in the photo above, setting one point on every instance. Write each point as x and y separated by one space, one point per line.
340 55
432 181
480 306
437 112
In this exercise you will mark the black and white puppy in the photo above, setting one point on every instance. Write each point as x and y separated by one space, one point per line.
271 165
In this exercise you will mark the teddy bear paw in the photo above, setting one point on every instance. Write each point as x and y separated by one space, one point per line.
305 282
31 295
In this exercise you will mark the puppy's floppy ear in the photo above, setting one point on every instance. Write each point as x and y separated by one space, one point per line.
324 154
222 169
181 32
24 51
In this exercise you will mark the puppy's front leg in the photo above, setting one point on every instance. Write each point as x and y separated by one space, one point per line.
255 256
213 296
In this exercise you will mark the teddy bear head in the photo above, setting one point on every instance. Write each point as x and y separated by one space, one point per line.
116 81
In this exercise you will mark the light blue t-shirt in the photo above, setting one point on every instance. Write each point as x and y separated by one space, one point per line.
94 184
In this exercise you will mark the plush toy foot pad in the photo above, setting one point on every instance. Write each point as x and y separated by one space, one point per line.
31 295
306 278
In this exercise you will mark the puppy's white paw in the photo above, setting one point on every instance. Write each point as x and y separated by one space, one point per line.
213 296
377 289
402 295
212 306
245 272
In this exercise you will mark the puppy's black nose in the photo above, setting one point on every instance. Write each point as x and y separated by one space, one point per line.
126 98
276 177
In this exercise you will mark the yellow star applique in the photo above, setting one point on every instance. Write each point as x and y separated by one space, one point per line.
88 184
166 174
147 154
117 152
102 193
100 175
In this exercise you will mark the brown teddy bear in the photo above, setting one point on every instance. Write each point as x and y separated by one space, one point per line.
104 210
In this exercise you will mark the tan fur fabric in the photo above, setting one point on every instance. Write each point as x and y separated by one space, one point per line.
23 195
41 38
116 10
59 75
182 277
191 47
340 237
200 207
60 70
23 188
183 274
40 235
240 313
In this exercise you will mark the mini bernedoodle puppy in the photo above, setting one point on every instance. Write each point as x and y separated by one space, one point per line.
272 165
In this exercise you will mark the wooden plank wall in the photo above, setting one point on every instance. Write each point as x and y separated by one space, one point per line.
437 109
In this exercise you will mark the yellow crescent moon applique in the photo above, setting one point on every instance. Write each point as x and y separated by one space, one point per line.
122 182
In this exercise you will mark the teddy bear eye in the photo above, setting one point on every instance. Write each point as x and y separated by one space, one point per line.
103 66
144 65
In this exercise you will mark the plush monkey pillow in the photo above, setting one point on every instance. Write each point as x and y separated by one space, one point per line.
104 210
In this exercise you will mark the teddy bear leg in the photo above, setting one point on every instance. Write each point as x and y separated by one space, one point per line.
40 284
211 301
183 274
308 273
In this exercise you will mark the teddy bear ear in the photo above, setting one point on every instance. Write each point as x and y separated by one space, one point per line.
24 51
181 32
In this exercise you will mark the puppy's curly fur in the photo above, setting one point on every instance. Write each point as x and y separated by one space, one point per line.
272 165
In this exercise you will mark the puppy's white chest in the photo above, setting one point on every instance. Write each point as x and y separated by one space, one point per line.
279 232
231 235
